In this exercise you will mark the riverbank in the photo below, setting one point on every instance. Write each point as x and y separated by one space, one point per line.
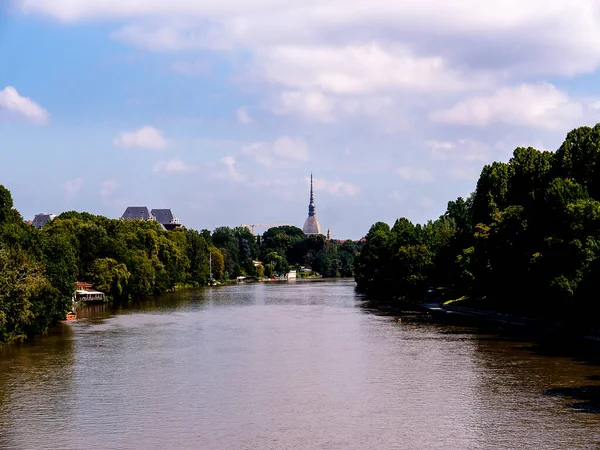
539 327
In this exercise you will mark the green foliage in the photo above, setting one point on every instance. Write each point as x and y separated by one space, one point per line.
22 287
127 259
527 240
6 203
198 256
277 263
217 262
110 276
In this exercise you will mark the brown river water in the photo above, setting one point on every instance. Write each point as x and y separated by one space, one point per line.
297 365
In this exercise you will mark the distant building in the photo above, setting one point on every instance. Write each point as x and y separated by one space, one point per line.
311 224
42 219
166 218
85 293
138 213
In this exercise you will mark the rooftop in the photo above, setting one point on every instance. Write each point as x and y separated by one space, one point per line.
137 212
164 216
42 219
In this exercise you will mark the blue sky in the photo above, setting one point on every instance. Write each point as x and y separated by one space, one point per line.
221 110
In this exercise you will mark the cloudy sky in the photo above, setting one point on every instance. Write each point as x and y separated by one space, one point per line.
221 109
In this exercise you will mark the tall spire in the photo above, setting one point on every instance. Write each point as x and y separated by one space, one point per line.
311 224
311 205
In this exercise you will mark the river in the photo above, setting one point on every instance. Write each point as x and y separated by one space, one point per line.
296 365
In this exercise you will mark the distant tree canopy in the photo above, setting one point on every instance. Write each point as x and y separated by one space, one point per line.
127 259
527 239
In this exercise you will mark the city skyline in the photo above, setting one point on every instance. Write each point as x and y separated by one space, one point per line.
220 111
142 212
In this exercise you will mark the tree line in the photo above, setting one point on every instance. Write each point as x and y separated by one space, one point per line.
527 240
131 258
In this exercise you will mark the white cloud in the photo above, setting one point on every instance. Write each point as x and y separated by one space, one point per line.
533 23
440 145
71 188
12 101
242 116
310 105
107 188
467 150
291 149
362 69
282 151
174 165
548 43
415 174
145 137
327 60
335 187
534 105
230 170
328 108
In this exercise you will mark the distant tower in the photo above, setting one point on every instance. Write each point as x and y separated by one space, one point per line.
311 225
328 234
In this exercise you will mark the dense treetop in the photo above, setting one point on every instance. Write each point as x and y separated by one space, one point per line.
527 239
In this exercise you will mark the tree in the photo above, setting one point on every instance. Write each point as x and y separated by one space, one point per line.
218 263
22 283
60 255
110 276
412 265
197 253
372 265
6 203
225 239
277 262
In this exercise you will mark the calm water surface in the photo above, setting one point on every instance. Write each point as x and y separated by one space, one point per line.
284 366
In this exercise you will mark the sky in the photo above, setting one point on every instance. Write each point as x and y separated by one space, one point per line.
221 110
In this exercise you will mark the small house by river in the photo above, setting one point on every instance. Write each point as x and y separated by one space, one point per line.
85 293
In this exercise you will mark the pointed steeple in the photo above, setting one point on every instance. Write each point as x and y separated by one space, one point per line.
311 205
312 225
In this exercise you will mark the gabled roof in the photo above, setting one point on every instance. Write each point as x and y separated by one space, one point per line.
137 212
42 219
163 216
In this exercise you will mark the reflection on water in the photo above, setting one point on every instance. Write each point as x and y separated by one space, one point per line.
36 388
284 365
